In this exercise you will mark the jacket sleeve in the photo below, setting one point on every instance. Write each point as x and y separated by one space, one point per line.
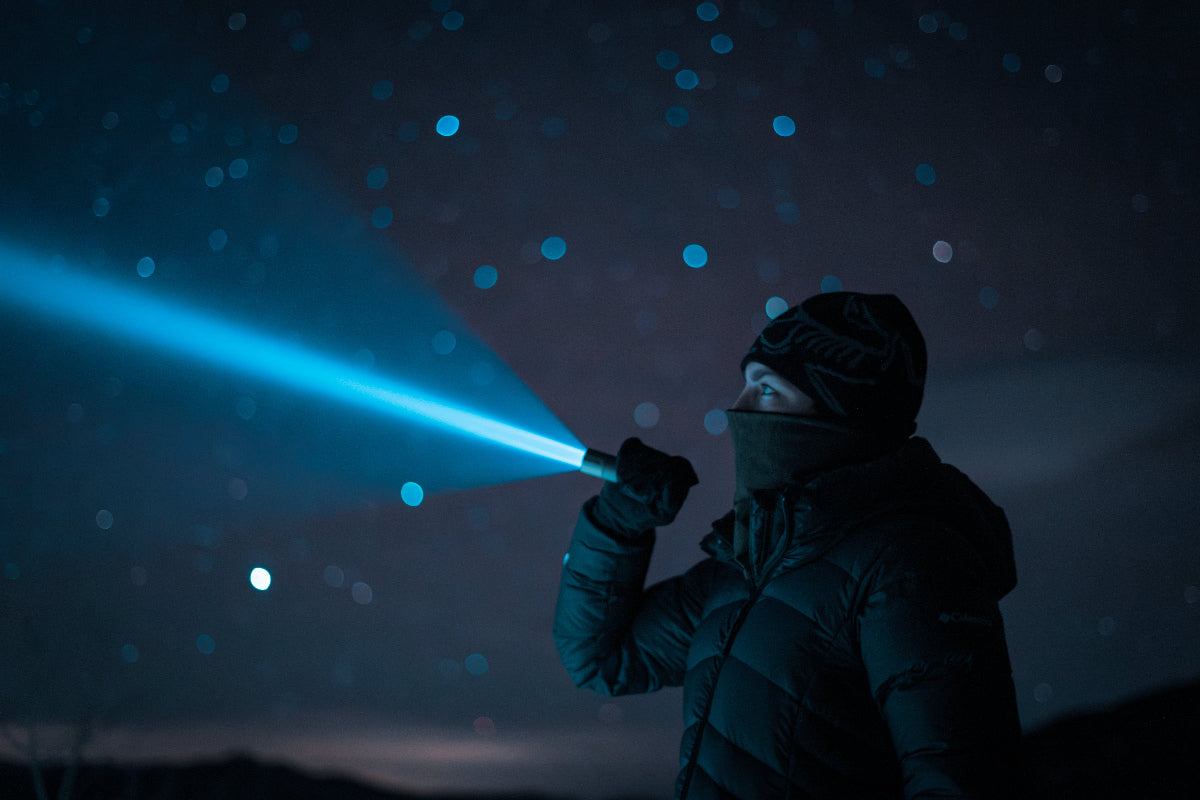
932 642
612 635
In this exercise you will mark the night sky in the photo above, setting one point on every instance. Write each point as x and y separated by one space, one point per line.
573 217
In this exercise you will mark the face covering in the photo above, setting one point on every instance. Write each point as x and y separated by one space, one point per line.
774 451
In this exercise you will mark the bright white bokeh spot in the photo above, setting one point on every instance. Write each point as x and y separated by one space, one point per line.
145 266
260 579
716 421
695 256
646 415
943 252
412 493
448 125
104 519
776 306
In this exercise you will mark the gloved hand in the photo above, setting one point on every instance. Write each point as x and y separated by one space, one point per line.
650 489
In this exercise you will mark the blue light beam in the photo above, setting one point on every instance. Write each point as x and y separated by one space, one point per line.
85 300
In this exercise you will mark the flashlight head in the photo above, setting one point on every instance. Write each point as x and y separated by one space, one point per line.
599 465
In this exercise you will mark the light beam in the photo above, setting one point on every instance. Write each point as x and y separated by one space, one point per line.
81 299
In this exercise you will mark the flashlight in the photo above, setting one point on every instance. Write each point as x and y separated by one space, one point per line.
599 465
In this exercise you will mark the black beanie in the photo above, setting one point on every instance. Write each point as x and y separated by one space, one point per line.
860 357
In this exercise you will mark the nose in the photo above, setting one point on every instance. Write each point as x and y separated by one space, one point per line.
745 401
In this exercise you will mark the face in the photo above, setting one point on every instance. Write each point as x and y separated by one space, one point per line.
767 390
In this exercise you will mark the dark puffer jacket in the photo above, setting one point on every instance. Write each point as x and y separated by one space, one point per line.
859 653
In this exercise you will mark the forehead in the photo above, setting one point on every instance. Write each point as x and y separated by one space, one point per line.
755 371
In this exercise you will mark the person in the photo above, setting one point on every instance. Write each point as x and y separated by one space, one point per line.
841 638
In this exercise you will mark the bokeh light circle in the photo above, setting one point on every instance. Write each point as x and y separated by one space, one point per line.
716 421
695 256
943 252
260 579
646 415
412 494
486 276
554 248
784 125
687 79
448 125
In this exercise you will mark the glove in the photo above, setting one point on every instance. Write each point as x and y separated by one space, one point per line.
650 489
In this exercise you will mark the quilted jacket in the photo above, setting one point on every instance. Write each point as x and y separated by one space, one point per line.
857 651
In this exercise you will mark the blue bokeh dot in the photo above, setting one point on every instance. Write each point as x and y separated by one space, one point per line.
925 175
554 248
874 67
452 21
448 125
486 276
206 644
831 283
695 256
381 217
1012 62
784 125
708 11
288 133
989 297
687 79
667 59
677 116
721 43
377 177
145 266
382 90
412 494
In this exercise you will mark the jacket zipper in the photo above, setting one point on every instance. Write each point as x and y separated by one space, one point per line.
757 583
743 612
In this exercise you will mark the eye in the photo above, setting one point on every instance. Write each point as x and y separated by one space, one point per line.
768 389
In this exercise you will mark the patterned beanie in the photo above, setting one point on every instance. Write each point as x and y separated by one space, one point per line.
860 357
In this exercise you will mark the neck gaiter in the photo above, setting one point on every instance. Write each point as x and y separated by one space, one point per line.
774 451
